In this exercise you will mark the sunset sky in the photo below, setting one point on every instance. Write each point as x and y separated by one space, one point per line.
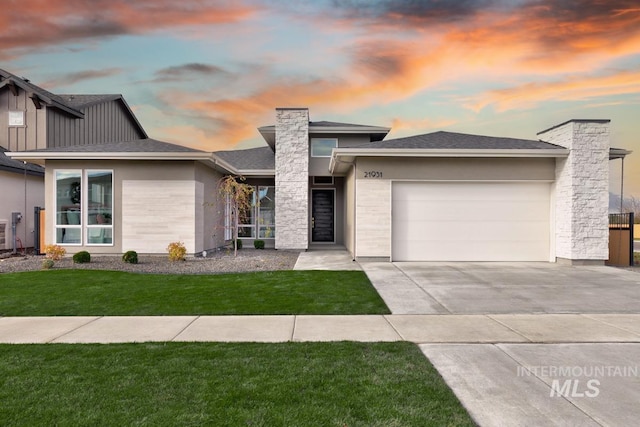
206 73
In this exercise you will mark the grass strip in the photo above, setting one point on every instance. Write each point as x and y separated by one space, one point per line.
251 384
111 293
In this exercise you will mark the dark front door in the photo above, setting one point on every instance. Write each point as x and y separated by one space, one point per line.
322 221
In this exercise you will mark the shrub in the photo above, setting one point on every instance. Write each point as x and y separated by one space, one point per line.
54 252
258 244
177 251
47 264
131 257
82 257
239 244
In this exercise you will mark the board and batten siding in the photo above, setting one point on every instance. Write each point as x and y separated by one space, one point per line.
104 122
32 135
373 218
152 219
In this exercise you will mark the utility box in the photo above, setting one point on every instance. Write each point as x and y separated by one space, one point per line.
16 217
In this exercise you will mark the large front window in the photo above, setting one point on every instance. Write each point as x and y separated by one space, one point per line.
258 222
84 207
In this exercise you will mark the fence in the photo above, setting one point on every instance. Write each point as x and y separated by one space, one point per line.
620 239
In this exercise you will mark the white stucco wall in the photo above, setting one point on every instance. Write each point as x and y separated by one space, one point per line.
152 219
581 190
292 178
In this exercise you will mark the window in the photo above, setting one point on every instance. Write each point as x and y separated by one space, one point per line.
258 222
266 212
247 220
16 118
322 147
84 207
322 180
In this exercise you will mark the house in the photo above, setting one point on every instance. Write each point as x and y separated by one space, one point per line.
22 187
33 118
441 196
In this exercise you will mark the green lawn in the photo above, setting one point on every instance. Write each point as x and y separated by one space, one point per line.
103 293
293 384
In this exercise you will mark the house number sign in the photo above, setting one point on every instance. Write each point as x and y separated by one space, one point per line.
372 174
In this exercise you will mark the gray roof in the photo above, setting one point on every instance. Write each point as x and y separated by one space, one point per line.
72 104
18 166
453 140
80 102
262 158
146 145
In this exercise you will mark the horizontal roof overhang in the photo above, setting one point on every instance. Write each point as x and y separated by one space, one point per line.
618 153
210 159
341 158
377 132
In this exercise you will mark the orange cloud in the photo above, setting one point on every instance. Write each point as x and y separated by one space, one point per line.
569 89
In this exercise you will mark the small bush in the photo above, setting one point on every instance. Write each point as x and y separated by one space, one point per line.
636 258
54 252
239 244
82 257
177 251
47 264
258 244
131 257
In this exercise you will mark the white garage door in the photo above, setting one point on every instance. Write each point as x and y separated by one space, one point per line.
463 221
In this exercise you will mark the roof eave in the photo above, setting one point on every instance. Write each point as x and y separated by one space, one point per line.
76 155
257 172
348 155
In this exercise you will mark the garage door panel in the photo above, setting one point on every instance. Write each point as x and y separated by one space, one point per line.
464 232
460 210
471 251
482 191
470 221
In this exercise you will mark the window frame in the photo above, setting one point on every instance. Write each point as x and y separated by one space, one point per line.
12 116
315 142
84 226
88 226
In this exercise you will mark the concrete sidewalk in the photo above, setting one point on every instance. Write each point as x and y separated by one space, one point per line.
420 329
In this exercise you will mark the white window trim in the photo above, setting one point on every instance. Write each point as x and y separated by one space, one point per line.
85 207
57 226
323 139
13 119
84 225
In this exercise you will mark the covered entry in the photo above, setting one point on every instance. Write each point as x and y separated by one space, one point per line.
470 221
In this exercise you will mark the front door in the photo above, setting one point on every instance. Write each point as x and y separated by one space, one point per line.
322 215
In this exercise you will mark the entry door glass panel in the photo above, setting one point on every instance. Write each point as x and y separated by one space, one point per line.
322 211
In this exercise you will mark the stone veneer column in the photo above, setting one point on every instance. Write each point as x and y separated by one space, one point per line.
292 178
581 191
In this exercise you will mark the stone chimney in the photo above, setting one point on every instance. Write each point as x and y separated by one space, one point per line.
292 178
581 191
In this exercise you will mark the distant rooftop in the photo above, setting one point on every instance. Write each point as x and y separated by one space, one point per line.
454 140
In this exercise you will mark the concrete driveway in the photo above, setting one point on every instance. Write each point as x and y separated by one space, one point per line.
504 288
566 376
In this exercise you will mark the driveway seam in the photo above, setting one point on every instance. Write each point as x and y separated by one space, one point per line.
386 318
293 330
610 324
184 329
74 329
421 288
497 345
489 316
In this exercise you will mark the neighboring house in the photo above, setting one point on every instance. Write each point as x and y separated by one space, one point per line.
437 197
22 189
33 118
